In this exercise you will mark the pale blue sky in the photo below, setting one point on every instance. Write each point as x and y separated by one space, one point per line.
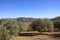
29 8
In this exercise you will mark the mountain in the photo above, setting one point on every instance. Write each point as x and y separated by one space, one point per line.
23 19
56 18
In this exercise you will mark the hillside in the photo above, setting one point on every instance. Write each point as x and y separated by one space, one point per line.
23 19
20 19
56 18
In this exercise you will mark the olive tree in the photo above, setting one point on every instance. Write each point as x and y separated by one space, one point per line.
24 26
57 24
8 28
42 25
4 32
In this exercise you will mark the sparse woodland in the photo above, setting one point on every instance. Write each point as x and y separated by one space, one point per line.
12 27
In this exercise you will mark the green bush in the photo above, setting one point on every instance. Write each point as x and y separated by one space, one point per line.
42 25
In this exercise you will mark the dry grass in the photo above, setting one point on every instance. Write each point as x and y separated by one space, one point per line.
40 37
42 32
50 32
49 36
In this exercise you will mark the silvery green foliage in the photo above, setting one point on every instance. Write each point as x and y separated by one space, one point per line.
42 25
8 28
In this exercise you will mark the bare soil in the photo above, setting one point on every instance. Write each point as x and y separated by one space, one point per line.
45 36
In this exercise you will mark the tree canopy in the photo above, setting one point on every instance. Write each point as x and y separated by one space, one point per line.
42 25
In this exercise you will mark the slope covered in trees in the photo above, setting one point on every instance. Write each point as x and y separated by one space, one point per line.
23 19
13 26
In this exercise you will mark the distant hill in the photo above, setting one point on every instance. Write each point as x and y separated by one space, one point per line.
20 19
56 18
23 19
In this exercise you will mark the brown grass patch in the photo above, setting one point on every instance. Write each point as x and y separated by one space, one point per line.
48 36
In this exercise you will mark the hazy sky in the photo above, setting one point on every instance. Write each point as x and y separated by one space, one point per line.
29 8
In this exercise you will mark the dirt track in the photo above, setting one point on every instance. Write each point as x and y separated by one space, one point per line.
43 36
37 37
